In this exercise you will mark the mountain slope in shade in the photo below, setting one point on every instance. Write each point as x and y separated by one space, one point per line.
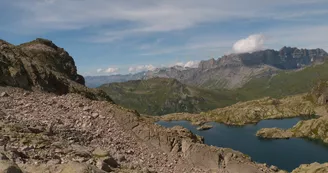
158 96
231 71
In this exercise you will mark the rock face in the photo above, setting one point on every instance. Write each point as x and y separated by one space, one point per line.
41 64
234 70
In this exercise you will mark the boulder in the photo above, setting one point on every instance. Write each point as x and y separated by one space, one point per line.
7 166
81 151
98 152
103 166
4 94
110 161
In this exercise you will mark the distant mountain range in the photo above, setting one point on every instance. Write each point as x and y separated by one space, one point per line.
228 72
158 96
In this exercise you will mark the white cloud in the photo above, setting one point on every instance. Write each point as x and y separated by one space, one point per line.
111 70
99 70
189 64
179 64
250 44
139 68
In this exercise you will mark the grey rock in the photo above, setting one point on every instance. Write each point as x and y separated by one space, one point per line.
103 166
54 162
121 158
4 94
81 151
274 168
110 161
94 115
98 152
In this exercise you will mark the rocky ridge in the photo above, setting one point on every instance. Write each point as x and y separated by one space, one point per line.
251 112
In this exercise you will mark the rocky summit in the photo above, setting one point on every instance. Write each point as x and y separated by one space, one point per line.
51 123
40 64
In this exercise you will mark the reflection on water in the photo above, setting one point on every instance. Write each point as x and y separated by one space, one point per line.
286 154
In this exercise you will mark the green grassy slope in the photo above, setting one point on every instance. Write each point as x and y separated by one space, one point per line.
285 83
160 96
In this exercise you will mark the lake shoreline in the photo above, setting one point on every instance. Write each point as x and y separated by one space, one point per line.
243 139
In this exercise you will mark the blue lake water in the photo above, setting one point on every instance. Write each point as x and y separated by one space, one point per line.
286 154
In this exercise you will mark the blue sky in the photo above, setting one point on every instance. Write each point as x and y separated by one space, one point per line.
109 36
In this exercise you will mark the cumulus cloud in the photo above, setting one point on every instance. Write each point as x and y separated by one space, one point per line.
99 70
189 64
250 44
111 70
139 68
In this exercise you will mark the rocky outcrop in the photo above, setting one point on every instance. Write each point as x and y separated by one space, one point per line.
41 64
316 129
204 127
319 93
274 133
251 111
312 168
